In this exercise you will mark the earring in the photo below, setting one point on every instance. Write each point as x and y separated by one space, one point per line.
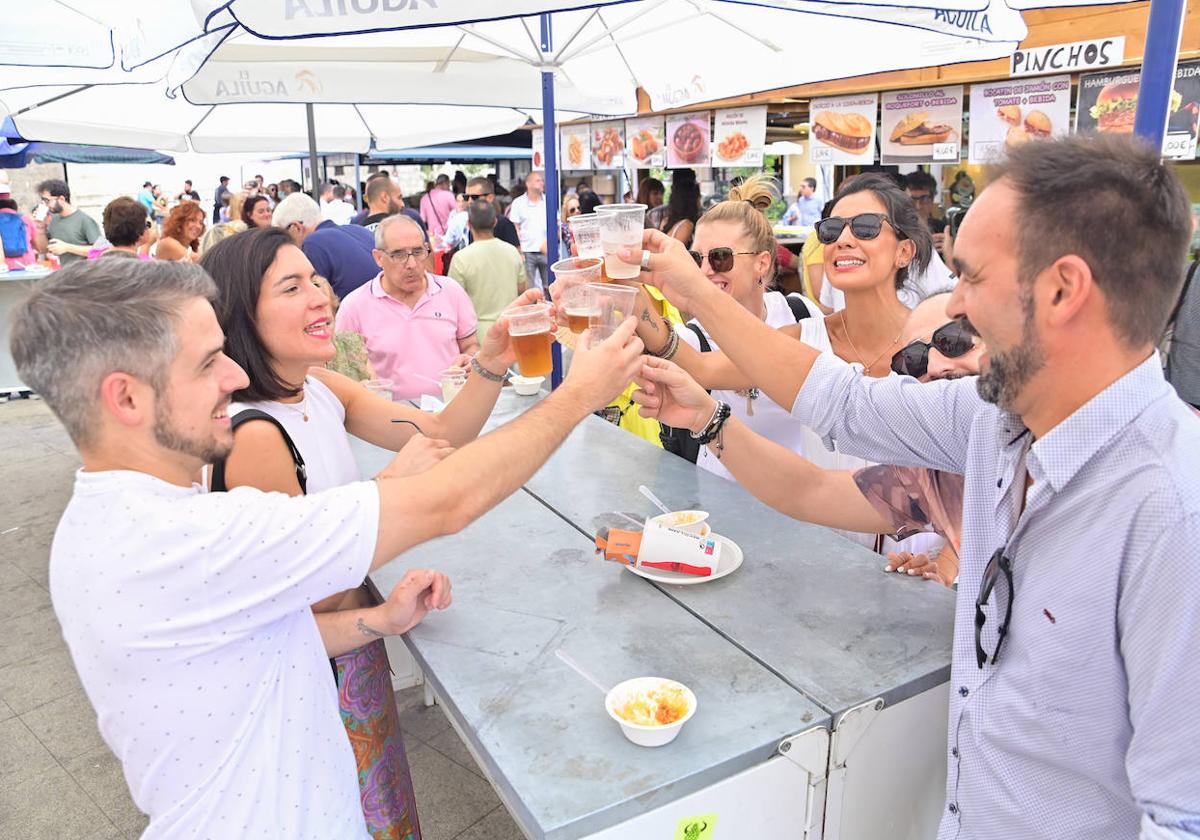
760 281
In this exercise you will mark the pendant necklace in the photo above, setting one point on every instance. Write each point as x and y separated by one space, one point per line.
866 367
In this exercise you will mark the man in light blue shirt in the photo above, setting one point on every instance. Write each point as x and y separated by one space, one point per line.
1072 707
806 209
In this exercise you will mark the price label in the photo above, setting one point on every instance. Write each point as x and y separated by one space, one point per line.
1179 146
945 151
822 154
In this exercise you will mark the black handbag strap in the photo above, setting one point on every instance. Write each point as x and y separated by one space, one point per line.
799 310
705 347
245 416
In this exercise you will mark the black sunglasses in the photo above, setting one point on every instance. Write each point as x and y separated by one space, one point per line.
951 340
721 259
999 563
863 226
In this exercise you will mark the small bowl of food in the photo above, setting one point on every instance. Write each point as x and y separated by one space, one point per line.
526 386
691 521
650 710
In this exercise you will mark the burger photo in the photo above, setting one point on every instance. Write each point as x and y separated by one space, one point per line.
1116 106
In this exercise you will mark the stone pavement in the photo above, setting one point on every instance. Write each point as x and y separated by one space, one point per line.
57 777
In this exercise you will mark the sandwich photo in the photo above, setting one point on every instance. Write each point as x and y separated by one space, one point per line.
1016 136
1010 114
849 132
1037 125
1116 107
913 130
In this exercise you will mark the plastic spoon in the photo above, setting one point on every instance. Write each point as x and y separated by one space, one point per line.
657 502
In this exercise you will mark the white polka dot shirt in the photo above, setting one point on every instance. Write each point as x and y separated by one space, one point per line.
1086 724
187 616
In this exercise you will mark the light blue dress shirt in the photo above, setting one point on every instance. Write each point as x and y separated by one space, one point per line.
1088 725
803 211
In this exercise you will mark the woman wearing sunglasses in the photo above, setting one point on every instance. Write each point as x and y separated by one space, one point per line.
872 240
278 325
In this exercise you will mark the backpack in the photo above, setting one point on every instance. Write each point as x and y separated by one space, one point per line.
14 235
680 441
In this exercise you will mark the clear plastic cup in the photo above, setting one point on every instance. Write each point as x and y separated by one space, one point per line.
621 226
585 228
576 271
453 381
579 306
382 387
613 305
532 332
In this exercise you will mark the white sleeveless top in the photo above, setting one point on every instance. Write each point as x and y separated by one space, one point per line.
322 441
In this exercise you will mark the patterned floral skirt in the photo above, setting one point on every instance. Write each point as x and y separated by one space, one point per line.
368 710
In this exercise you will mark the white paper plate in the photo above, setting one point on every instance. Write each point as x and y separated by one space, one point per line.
731 559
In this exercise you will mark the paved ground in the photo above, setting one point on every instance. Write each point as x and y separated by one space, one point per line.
57 778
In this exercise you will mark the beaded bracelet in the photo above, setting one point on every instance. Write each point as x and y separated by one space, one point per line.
485 373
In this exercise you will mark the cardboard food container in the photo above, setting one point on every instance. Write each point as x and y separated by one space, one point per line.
662 547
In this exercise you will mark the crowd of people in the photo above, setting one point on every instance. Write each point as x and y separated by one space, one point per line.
1004 427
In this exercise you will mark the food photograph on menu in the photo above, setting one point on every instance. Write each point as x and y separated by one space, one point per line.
1108 105
608 145
1011 112
843 129
739 135
687 140
921 126
644 141
575 148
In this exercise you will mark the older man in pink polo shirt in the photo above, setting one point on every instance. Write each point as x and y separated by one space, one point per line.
416 324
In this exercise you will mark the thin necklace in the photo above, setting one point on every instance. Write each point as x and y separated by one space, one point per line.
301 407
866 368
751 394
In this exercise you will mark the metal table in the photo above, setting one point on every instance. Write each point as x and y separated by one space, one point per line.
14 286
865 654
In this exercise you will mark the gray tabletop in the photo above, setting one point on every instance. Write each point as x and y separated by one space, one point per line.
526 585
812 606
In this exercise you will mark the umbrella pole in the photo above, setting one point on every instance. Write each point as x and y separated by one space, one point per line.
1163 30
358 197
312 150
551 177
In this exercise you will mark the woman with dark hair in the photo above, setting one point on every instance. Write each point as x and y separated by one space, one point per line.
127 228
683 208
181 233
278 326
650 192
256 212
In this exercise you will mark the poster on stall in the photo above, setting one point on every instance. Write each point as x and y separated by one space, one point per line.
843 129
608 145
921 126
739 135
687 139
575 147
539 148
1107 103
1014 111
644 142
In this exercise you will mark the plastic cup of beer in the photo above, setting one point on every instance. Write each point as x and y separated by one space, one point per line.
532 332
585 228
576 271
613 304
580 306
621 226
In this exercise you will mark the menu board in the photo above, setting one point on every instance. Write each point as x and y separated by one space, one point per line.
1014 111
688 140
608 145
575 148
539 148
843 128
644 142
1108 104
739 135
921 126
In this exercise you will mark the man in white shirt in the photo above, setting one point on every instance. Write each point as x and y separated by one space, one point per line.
187 613
528 213
336 209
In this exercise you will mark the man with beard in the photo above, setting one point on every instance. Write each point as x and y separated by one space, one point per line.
188 614
1071 708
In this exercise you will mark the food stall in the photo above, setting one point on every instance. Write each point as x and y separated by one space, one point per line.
819 679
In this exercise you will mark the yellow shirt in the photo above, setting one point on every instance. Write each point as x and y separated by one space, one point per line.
813 253
631 421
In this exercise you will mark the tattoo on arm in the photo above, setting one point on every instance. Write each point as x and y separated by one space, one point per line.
646 316
369 631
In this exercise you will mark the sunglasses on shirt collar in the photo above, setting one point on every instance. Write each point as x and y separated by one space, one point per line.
951 340
864 226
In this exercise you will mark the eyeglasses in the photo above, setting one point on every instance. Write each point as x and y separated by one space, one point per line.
951 340
571 211
999 563
721 259
864 226
403 256
479 194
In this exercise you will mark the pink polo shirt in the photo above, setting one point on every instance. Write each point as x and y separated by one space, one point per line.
403 341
